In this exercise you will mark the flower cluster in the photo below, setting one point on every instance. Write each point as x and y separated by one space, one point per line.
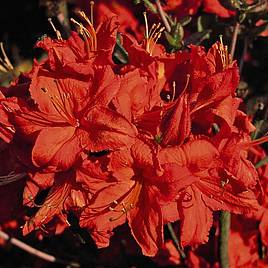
153 140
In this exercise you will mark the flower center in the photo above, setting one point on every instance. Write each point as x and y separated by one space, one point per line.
61 103
152 36
224 55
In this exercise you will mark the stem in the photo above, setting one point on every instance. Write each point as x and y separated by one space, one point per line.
162 15
176 241
225 216
34 251
234 39
225 222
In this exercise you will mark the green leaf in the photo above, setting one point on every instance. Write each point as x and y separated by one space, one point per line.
242 17
186 20
258 125
150 6
120 55
261 163
175 37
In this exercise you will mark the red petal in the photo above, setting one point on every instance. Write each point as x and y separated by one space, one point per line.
197 153
196 217
108 129
146 222
177 123
49 142
52 206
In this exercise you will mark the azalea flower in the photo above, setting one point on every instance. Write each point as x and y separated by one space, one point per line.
140 185
70 116
210 189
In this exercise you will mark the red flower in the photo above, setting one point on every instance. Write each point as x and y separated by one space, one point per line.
68 191
140 185
214 7
71 115
182 8
202 95
210 190
76 56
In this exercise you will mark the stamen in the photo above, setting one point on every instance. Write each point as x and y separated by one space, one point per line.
91 30
187 83
5 64
221 40
127 203
58 34
146 25
153 27
60 104
154 38
89 34
173 90
223 183
223 52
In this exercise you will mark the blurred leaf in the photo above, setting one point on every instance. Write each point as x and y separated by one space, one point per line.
258 124
242 17
261 163
120 55
150 6
234 4
197 37
204 22
175 37
260 6
185 21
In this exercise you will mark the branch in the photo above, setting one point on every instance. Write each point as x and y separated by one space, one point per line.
34 251
162 15
234 39
176 241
